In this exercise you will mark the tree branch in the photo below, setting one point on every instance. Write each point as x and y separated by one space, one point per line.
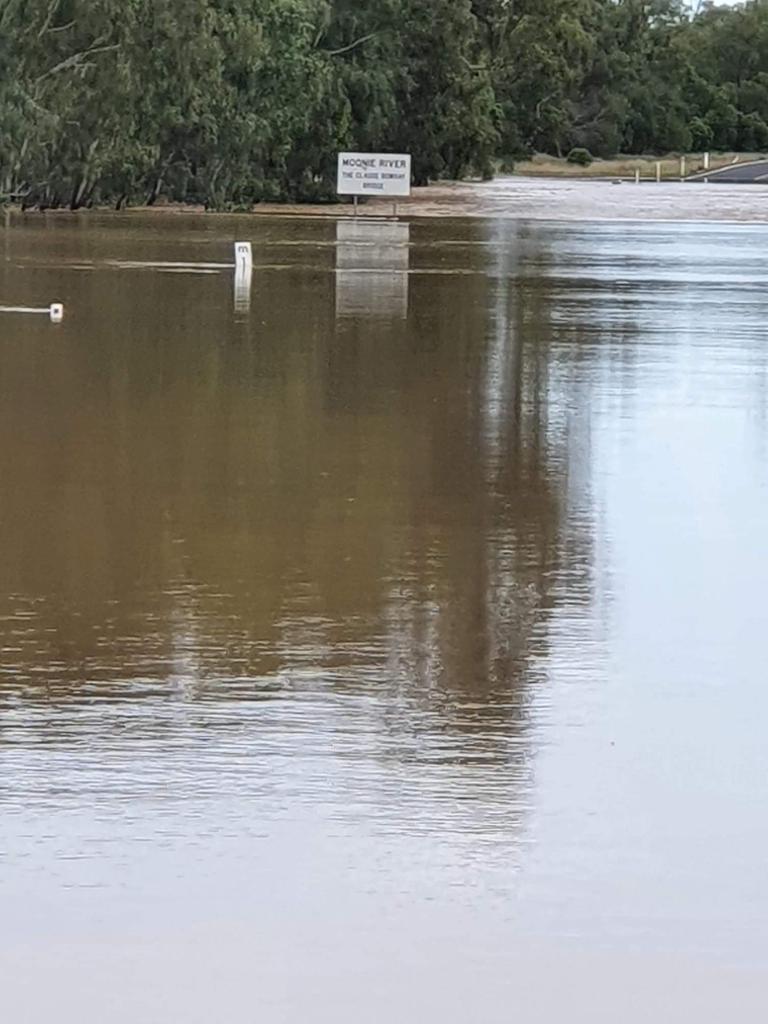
474 67
346 49
48 18
75 61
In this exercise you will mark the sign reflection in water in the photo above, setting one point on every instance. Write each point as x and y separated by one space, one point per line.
372 262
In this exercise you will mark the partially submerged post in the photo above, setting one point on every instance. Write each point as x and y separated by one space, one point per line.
243 259
243 276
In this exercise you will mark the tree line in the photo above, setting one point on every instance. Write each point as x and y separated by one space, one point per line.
231 102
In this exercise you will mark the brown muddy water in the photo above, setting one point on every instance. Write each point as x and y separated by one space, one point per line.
387 644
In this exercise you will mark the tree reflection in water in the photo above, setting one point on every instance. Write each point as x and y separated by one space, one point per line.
322 531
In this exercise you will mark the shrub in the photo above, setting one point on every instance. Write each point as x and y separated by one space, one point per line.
580 156
753 133
702 136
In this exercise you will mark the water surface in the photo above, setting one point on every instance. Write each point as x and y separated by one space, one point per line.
388 642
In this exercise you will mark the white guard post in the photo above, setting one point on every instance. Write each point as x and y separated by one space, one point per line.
243 276
243 259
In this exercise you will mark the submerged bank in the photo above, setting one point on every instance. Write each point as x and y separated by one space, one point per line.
567 200
540 199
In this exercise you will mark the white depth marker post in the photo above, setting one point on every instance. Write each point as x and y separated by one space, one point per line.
243 276
243 259
658 171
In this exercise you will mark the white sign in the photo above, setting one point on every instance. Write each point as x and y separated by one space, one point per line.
374 174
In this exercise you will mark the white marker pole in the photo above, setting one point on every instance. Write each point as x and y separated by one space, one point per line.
682 168
243 276
637 176
658 170
243 259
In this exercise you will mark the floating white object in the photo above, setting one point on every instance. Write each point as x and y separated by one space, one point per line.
55 311
198 268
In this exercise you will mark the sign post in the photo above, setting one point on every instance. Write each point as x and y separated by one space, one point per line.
383 175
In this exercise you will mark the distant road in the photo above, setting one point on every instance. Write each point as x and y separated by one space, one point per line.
753 173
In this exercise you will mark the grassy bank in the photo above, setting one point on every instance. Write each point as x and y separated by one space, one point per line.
546 166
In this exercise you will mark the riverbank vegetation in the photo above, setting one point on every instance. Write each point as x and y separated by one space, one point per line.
231 102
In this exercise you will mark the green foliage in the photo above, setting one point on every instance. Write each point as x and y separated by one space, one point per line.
229 102
580 156
444 99
702 135
753 133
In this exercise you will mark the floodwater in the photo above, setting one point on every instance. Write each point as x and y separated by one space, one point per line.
575 199
386 643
